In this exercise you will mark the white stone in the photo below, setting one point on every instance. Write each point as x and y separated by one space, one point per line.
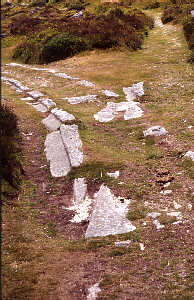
16 83
133 92
81 99
81 210
56 154
78 15
155 131
166 192
63 75
141 245
176 205
47 102
62 115
113 174
79 190
86 83
158 225
35 94
190 154
109 93
27 99
38 107
166 184
93 292
72 143
123 243
133 112
108 216
154 215
189 206
176 214
51 123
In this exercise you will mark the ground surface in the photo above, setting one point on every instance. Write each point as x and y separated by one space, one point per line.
45 256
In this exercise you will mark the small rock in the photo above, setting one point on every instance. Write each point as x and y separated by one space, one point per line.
166 192
190 154
82 99
174 214
86 83
109 93
141 245
154 215
158 225
155 131
80 190
114 174
35 94
62 115
123 243
51 123
176 205
27 99
93 292
166 184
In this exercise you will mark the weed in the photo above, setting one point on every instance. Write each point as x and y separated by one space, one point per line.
139 212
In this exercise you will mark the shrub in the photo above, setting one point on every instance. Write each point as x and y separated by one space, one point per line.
24 24
11 168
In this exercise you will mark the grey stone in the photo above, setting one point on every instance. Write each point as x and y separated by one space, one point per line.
39 107
77 100
72 143
108 216
80 190
133 112
109 93
35 94
27 99
123 244
62 115
158 225
106 114
78 15
47 102
154 215
86 83
51 123
63 75
93 292
190 154
155 131
135 91
113 174
192 13
56 154
16 83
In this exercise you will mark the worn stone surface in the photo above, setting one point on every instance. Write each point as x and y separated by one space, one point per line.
72 143
27 99
133 111
51 123
108 216
39 107
64 75
86 83
113 174
56 154
62 115
133 92
123 243
35 94
155 131
109 93
47 102
106 114
81 210
158 225
190 154
79 190
93 292
15 82
81 99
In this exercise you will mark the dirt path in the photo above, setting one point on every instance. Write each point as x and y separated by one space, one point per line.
69 264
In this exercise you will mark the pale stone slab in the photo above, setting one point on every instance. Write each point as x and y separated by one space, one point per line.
154 215
56 154
135 91
108 216
123 243
51 123
133 111
113 174
62 115
39 107
72 143
158 225
27 99
106 114
93 292
16 83
155 131
109 93
79 190
47 102
81 99
81 210
64 75
190 154
86 83
35 94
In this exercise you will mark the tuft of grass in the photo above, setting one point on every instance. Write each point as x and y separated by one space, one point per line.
138 212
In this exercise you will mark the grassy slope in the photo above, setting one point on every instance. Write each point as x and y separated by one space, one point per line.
40 264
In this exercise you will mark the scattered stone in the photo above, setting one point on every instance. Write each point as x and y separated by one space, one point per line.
114 174
77 100
154 215
93 292
35 94
48 103
62 115
81 210
192 13
27 99
56 154
166 192
80 190
123 243
106 114
158 225
164 179
109 93
135 91
63 75
51 123
176 205
190 154
155 131
39 107
141 245
86 83
16 83
108 216
72 143
166 184
176 214
78 15
133 112
189 206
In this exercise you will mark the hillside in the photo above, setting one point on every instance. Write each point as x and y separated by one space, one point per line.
105 202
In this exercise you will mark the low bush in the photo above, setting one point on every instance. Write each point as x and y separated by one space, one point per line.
22 24
11 168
